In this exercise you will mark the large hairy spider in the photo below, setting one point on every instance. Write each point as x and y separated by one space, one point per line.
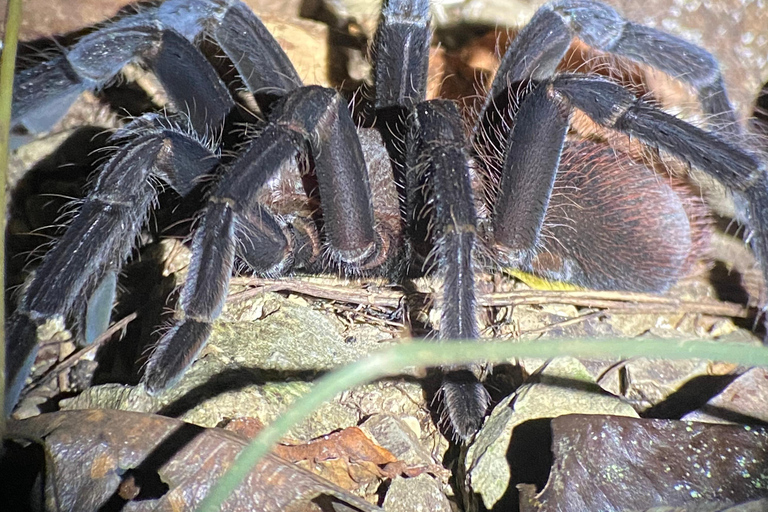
609 224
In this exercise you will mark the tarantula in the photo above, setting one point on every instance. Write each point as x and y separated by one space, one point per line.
518 148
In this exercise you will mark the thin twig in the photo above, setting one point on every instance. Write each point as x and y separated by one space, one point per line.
617 302
78 356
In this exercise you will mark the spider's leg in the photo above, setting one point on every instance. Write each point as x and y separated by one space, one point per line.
269 74
213 253
438 142
193 87
342 178
744 173
42 94
400 57
194 90
426 142
311 118
401 46
261 63
528 177
601 27
101 236
540 46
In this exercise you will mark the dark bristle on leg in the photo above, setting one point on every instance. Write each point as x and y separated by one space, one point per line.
307 119
101 235
437 140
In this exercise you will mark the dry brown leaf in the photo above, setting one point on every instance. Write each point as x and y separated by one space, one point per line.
146 462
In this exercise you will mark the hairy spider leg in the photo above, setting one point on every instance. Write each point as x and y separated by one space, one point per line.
438 145
613 224
540 46
521 169
313 119
613 107
43 94
742 172
310 121
269 75
426 142
100 238
401 54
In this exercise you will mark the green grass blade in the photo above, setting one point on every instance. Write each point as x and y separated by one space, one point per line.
7 61
394 360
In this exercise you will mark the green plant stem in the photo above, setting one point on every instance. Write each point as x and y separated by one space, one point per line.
394 360
7 61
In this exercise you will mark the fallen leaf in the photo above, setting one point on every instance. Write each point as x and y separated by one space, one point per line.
142 462
612 463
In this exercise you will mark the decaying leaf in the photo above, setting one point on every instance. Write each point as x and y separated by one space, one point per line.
612 463
143 462
348 458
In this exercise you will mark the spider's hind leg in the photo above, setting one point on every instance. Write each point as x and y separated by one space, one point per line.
588 216
541 45
742 171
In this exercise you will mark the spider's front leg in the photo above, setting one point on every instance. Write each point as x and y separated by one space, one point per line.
440 165
99 240
42 94
310 119
435 165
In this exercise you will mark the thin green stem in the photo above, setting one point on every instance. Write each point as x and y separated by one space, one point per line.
7 61
394 360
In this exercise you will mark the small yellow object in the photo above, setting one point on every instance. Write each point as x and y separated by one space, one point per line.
540 283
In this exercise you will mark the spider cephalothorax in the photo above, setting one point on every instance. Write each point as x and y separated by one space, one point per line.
518 148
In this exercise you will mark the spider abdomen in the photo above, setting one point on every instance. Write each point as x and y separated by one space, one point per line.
615 224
